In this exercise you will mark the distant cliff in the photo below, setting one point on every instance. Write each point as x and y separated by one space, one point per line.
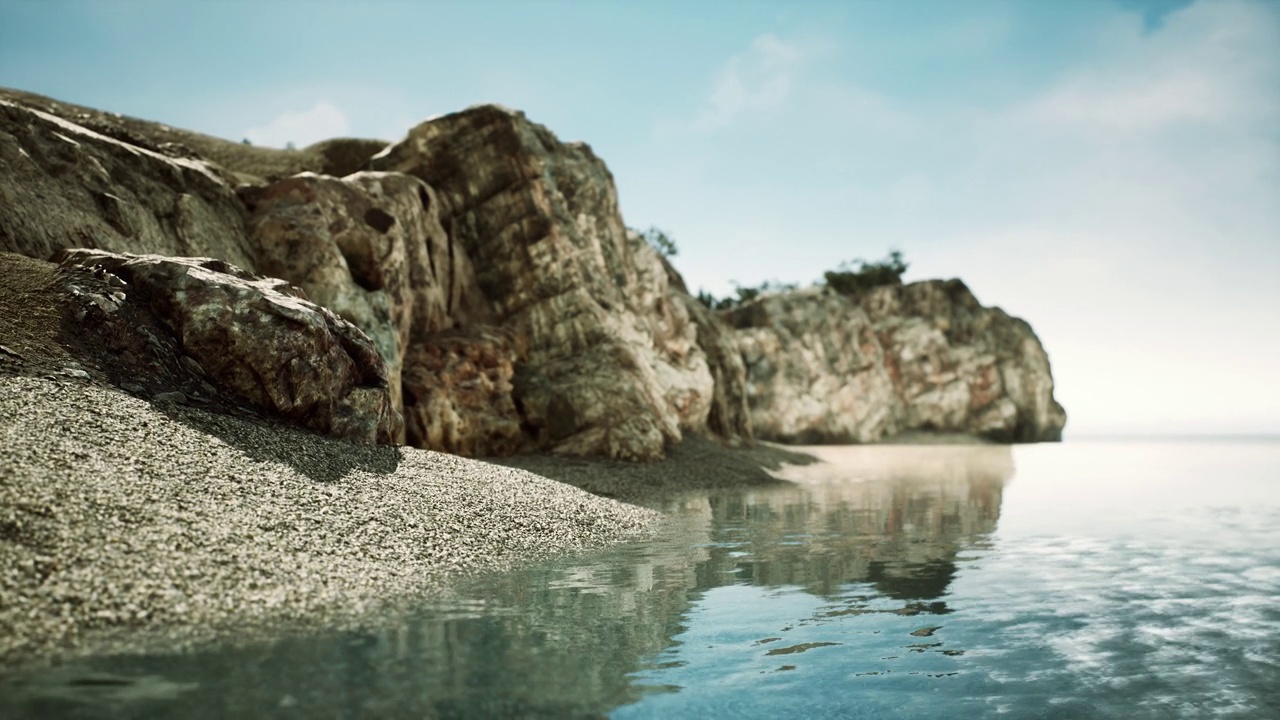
488 264
826 368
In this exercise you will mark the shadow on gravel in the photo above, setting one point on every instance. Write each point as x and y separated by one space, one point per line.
697 463
319 458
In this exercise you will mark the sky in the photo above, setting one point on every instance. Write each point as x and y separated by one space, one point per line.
1108 170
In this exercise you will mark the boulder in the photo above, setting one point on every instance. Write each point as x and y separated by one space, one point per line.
262 340
826 368
611 364
370 248
63 186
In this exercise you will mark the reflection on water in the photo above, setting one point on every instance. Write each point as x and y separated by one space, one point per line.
890 582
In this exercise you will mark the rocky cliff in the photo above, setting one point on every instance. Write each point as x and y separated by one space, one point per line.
827 368
488 265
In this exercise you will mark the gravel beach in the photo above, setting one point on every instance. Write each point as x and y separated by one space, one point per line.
124 523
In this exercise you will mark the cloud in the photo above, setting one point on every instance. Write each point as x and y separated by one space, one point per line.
303 128
752 81
1204 65
1125 203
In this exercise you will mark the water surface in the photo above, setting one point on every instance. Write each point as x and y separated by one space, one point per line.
1136 579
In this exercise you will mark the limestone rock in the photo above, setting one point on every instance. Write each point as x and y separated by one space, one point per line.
370 248
63 186
458 393
963 366
237 161
263 340
728 415
927 356
816 372
612 366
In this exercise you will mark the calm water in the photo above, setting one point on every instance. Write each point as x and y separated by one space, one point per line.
1089 579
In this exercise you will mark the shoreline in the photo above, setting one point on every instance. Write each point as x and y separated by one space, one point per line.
127 525
119 517
131 526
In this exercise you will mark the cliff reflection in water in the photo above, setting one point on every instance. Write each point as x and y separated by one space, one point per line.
571 638
894 516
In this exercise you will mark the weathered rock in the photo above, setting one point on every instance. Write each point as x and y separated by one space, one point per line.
815 371
728 416
370 248
343 156
612 365
232 158
822 367
458 393
262 340
963 366
64 186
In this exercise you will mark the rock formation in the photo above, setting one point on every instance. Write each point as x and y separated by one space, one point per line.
64 186
611 363
488 264
825 368
260 339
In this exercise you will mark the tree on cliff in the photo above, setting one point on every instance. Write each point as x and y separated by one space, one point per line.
848 281
660 239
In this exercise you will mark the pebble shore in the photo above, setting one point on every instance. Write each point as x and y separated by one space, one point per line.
121 520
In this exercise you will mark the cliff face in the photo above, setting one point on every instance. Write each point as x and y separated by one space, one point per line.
825 368
610 363
488 264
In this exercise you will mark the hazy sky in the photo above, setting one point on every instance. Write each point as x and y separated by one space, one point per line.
1109 170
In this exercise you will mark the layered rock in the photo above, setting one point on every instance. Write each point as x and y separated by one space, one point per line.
825 368
369 247
959 365
489 266
261 339
65 186
611 364
239 161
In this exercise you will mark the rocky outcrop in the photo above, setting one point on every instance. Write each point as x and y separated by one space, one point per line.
458 393
260 339
239 161
611 363
64 186
487 263
370 248
825 368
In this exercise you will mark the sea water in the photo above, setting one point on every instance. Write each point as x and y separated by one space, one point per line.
1091 579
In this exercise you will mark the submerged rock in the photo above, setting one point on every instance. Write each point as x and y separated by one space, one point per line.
261 339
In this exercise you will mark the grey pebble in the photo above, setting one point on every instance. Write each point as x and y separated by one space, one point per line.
138 529
172 398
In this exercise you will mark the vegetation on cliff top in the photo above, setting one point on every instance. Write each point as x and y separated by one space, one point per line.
850 278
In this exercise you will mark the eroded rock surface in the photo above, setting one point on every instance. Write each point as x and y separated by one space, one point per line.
458 393
65 186
260 339
611 365
927 356
369 247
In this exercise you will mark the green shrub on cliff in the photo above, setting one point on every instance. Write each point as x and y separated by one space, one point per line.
848 281
660 239
743 294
